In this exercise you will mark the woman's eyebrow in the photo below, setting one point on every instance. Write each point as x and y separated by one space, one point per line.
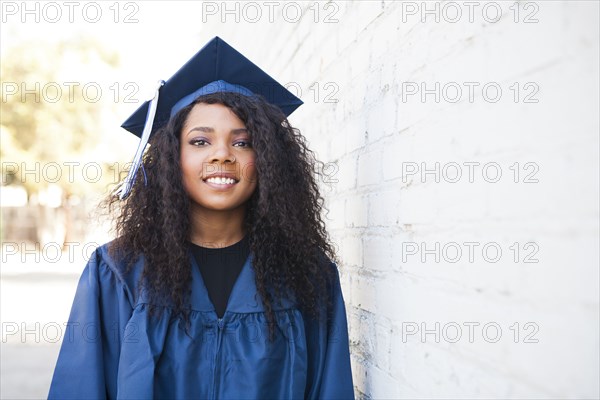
207 129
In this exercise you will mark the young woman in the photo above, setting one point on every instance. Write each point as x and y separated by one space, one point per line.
222 282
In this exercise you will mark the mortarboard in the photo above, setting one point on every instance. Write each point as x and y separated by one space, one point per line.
216 67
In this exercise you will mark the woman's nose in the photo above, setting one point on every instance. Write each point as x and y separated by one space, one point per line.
222 152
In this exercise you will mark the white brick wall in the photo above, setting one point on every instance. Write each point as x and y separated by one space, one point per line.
374 49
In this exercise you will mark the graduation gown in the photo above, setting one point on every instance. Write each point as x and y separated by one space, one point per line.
112 348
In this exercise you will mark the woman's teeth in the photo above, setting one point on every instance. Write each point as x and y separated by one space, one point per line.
221 181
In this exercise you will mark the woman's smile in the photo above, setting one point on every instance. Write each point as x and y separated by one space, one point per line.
221 181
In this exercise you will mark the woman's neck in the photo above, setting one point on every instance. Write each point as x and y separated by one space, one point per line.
217 228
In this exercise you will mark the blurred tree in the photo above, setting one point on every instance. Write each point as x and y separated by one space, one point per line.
51 111
54 103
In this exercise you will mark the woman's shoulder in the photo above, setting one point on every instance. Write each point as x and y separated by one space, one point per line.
329 269
115 267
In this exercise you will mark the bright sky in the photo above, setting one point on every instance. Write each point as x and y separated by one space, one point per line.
153 39
142 28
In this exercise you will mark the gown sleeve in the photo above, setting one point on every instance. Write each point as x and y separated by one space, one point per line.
88 360
328 345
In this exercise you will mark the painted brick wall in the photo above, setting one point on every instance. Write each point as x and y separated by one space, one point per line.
466 214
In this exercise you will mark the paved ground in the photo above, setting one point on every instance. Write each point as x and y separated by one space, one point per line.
26 370
35 300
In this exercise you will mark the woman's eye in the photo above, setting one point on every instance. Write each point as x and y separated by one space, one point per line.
243 143
198 142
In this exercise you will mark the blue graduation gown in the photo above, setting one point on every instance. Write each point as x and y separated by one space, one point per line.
112 348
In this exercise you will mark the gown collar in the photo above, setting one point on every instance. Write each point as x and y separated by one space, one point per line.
244 297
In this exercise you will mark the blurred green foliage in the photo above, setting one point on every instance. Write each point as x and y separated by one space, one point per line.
58 123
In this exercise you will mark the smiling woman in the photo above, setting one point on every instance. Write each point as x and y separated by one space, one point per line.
222 282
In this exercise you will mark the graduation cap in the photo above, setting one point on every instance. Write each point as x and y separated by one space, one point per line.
217 67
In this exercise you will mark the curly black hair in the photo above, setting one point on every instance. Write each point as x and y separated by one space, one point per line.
287 235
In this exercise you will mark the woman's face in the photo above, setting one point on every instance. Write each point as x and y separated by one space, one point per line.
217 160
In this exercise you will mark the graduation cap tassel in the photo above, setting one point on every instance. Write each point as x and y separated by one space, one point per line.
124 190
